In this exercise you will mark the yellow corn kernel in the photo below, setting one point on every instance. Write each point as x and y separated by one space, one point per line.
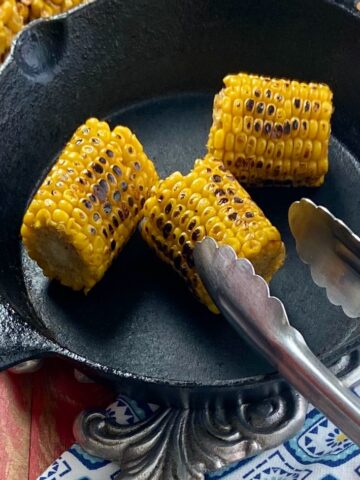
75 230
274 112
227 214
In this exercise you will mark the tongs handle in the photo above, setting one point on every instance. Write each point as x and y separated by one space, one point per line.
245 301
296 362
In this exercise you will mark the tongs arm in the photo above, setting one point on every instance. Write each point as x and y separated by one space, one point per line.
244 299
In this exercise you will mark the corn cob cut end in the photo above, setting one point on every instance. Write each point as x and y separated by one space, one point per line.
57 256
183 210
88 205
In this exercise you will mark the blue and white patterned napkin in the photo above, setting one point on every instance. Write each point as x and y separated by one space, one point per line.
319 452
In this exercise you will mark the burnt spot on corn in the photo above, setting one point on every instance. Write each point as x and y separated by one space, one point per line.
167 230
97 167
249 104
260 107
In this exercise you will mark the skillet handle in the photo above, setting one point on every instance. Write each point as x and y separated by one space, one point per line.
244 299
19 342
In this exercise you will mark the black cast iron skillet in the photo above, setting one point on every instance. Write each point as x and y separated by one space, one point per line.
155 67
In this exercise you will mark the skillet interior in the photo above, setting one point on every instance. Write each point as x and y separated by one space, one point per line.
140 318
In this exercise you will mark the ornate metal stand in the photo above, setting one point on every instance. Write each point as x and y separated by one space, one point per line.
176 444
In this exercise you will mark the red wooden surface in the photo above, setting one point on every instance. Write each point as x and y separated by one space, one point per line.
36 415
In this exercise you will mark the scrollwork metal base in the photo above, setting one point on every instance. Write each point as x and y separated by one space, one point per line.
184 444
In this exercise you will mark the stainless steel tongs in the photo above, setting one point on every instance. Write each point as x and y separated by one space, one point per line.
332 251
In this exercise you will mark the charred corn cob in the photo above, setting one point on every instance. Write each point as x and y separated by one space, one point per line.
182 210
89 204
270 131
12 17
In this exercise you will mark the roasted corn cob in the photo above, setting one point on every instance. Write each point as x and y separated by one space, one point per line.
182 210
89 204
12 18
270 131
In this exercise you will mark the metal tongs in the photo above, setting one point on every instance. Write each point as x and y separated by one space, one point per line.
332 251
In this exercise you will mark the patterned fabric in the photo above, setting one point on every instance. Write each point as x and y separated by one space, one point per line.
319 452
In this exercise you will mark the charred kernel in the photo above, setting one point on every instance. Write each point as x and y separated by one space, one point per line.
142 202
278 97
196 234
270 109
259 164
222 201
92 198
117 196
287 127
87 204
124 186
107 207
97 167
131 201
99 192
137 166
182 239
268 93
117 171
249 214
192 225
95 140
109 153
111 178
167 229
257 125
297 103
260 107
105 233
249 104
278 130
103 184
295 124
307 106
96 217
267 128
113 245
92 230
233 216
79 141
88 173
216 178
115 222
102 160
257 93
168 208
238 200
316 107
186 250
